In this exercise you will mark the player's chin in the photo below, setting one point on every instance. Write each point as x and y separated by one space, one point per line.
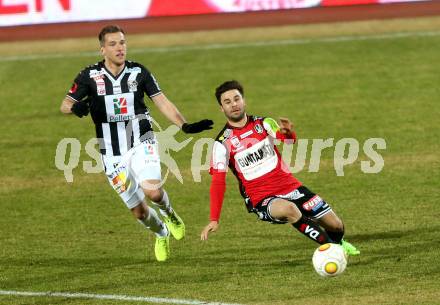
236 116
120 60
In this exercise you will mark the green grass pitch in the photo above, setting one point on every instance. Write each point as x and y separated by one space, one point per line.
79 237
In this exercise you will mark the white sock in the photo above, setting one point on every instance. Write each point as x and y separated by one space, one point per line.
164 205
153 222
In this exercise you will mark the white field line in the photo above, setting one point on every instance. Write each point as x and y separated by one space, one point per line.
230 45
108 297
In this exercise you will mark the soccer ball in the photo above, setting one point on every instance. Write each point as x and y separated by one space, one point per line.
329 260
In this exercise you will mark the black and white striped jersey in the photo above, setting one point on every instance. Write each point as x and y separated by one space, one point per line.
117 104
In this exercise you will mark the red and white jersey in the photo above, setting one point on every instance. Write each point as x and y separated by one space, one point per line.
251 155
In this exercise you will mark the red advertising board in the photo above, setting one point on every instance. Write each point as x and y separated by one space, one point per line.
22 12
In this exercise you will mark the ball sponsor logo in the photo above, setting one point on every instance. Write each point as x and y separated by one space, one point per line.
324 247
331 268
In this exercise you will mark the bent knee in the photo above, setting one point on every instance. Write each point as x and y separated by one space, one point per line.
339 227
336 225
293 214
154 195
140 212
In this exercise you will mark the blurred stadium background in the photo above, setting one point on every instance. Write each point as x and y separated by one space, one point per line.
338 68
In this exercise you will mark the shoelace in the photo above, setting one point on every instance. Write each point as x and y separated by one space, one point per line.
174 219
162 240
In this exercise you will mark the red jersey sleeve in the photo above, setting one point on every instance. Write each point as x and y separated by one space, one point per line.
218 183
217 194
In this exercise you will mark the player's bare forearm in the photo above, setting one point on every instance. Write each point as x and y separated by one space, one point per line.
169 110
211 227
66 105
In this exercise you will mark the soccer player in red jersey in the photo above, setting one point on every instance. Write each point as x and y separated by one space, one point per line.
246 146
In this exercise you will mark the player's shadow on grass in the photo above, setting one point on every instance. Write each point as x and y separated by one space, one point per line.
397 247
395 234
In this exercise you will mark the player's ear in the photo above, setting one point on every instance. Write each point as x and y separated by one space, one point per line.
102 51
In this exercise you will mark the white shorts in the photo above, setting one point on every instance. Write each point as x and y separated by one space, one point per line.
125 173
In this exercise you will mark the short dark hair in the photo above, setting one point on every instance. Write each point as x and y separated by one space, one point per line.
226 86
107 30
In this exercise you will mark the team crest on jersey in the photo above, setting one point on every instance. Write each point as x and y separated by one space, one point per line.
258 128
120 105
132 85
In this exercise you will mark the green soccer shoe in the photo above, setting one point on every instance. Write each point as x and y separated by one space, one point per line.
176 225
349 248
162 248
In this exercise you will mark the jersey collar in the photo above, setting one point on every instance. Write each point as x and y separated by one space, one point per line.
110 74
249 117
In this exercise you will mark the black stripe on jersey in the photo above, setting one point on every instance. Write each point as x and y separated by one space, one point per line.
115 138
108 86
124 82
144 127
100 136
129 136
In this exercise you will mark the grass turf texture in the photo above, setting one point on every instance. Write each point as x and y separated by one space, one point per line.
79 237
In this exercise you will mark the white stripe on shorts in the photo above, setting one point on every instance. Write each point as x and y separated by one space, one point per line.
319 215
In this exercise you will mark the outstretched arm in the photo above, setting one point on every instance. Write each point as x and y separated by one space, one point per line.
171 112
168 109
217 193
219 160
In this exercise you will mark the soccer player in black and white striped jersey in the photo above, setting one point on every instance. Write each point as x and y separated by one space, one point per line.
112 90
